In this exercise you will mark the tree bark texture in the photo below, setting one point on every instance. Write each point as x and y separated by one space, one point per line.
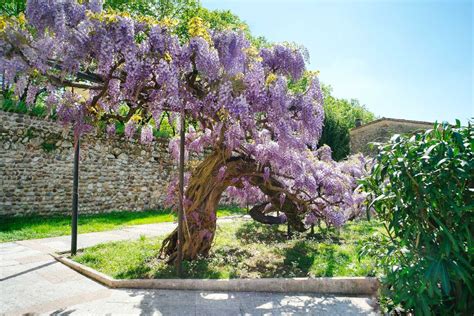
202 197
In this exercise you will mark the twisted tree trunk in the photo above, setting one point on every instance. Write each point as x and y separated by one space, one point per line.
202 197
201 200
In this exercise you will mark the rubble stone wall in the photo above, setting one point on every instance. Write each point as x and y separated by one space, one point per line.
36 163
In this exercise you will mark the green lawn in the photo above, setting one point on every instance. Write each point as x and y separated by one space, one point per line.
244 249
31 227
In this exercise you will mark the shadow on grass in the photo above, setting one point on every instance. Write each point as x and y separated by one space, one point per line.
325 237
231 255
198 269
253 232
330 261
135 272
300 257
303 260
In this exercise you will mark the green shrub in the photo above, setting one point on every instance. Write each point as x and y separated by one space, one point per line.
161 133
10 104
422 188
119 128
335 135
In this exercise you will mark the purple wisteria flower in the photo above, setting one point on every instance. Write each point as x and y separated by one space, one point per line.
310 219
110 129
31 95
337 219
282 199
284 59
221 173
230 47
146 136
266 174
130 129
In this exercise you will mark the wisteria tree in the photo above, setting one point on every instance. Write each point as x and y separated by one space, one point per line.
259 138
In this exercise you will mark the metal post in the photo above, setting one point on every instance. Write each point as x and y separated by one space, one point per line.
75 196
179 259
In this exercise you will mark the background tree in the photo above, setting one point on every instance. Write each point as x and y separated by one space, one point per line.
12 7
340 117
346 111
261 135
335 135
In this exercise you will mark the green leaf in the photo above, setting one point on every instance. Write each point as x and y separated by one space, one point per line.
424 306
442 161
445 282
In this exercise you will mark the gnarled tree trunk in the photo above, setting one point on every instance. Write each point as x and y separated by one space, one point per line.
201 200
202 197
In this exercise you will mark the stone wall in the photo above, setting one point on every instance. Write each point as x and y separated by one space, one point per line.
381 131
36 161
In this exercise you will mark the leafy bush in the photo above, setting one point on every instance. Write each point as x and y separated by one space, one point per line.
422 187
9 103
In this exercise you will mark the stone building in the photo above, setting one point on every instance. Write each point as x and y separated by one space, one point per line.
380 131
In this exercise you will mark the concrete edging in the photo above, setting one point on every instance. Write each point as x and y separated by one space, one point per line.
335 285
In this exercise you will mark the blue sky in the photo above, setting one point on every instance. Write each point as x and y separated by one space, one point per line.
402 59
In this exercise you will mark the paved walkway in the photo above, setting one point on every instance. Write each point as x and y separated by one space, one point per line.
32 282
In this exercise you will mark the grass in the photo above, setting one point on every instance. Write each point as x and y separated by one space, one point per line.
245 249
32 227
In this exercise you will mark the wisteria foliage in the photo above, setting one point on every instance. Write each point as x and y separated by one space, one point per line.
237 96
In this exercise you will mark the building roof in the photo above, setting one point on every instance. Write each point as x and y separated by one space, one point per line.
384 119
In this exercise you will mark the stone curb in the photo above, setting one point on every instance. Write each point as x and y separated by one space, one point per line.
336 285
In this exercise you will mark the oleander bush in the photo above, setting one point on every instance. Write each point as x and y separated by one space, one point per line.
422 188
